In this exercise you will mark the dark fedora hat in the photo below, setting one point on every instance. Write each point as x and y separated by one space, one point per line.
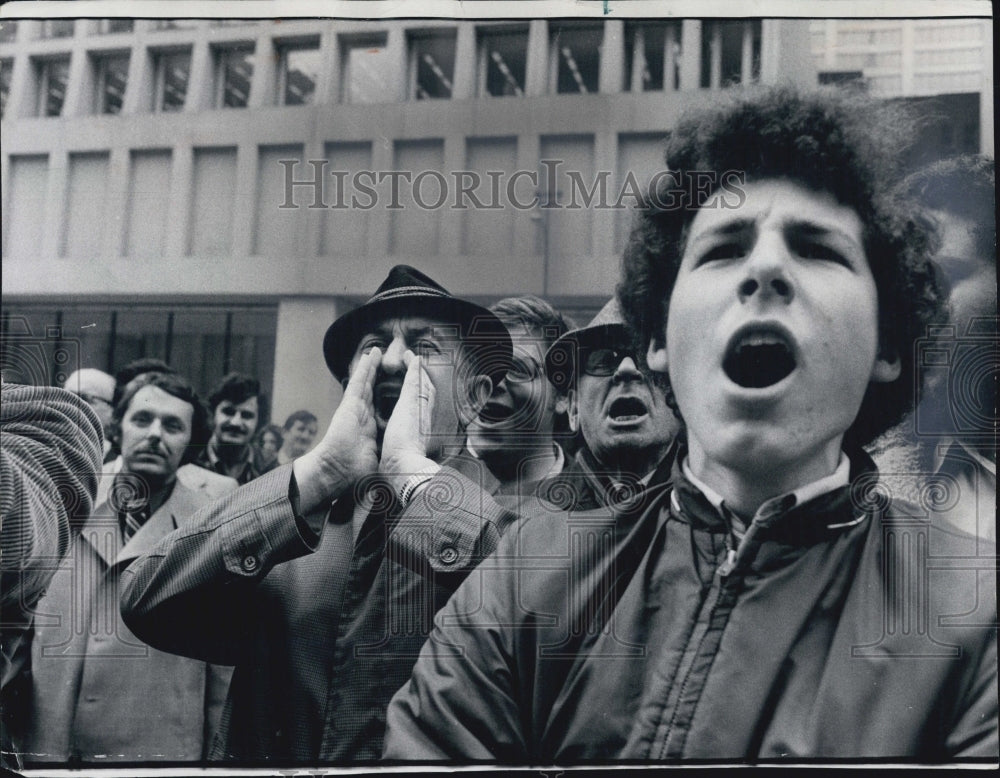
408 292
562 360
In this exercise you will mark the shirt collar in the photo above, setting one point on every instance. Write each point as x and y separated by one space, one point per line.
213 456
840 477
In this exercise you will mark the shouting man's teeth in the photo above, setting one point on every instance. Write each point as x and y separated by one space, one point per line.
758 360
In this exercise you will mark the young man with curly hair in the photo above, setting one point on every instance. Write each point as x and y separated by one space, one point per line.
766 604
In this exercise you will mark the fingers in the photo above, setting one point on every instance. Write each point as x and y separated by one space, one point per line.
362 379
417 386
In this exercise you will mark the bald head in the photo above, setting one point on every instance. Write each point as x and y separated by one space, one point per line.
97 388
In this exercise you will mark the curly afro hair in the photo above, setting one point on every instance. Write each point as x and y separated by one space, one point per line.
828 140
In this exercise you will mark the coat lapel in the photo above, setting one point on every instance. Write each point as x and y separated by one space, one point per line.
182 503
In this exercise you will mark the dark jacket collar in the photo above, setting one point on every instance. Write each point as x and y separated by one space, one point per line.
820 518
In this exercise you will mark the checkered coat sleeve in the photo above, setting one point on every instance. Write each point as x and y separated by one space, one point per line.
50 451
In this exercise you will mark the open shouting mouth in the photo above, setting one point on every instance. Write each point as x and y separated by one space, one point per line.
495 413
627 409
386 397
759 356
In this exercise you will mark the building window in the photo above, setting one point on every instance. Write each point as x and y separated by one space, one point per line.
367 72
111 26
432 65
53 74
730 53
6 71
57 28
233 73
110 79
8 31
503 57
171 72
652 57
173 24
574 58
298 74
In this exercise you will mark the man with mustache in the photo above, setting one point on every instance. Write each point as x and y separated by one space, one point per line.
238 408
319 581
621 415
97 692
771 603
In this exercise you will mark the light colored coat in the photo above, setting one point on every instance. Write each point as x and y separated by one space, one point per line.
98 692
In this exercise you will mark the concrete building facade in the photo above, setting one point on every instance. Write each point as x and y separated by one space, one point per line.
216 192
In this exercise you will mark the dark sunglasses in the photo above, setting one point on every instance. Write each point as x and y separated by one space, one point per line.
604 361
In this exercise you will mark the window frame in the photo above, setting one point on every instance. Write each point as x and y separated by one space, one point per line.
285 48
43 78
220 59
160 57
100 62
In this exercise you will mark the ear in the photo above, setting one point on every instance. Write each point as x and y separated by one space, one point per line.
573 410
480 389
656 355
561 404
885 371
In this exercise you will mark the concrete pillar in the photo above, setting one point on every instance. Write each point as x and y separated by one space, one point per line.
450 236
139 90
397 52
201 80
465 62
328 87
537 65
690 54
178 237
79 84
245 201
529 223
23 98
612 75
301 378
117 202
54 216
265 73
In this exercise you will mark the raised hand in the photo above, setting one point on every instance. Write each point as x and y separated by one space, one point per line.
405 442
348 450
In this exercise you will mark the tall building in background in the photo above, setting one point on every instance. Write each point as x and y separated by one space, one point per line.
942 66
148 200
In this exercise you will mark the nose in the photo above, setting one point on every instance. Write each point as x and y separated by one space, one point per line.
766 272
155 430
627 370
392 359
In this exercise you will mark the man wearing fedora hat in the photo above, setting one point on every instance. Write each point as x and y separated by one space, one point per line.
625 423
319 581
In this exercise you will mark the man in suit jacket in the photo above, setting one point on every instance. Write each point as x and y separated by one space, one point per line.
98 692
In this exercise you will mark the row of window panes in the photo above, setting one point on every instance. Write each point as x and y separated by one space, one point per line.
652 53
891 60
947 33
876 38
65 28
945 57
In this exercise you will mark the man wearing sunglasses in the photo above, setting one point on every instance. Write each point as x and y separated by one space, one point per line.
625 423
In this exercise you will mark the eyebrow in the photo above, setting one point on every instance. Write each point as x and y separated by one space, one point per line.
387 331
804 228
810 229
